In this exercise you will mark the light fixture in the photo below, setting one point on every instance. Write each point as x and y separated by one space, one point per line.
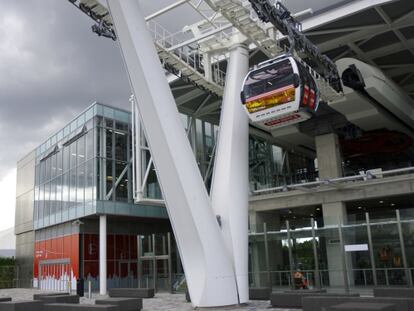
318 208
290 211
392 204
359 207
381 202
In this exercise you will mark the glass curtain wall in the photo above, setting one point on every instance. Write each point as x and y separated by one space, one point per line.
114 164
271 166
64 187
88 160
372 253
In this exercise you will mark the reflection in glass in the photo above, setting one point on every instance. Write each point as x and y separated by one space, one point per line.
66 158
122 189
109 141
387 253
72 190
121 141
59 164
52 199
81 150
89 145
65 192
109 178
72 155
81 185
46 211
58 206
89 181
53 166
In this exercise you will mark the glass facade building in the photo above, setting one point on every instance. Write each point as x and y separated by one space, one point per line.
85 170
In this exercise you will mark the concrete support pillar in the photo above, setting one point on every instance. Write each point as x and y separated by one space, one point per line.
330 166
257 251
102 255
329 156
332 214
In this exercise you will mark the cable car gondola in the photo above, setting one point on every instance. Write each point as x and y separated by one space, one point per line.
279 92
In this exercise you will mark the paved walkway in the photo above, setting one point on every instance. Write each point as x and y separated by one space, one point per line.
161 301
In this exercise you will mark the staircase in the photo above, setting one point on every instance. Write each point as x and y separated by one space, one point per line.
185 62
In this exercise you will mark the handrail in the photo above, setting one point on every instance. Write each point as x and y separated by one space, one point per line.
368 175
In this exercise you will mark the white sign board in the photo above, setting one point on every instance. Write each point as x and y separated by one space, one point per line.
356 247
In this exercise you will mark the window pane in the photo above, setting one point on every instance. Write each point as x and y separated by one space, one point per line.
53 166
89 114
58 194
59 135
99 179
109 122
59 164
65 192
48 169
66 158
81 150
98 139
89 181
121 148
46 211
73 126
81 120
36 203
72 155
98 121
41 201
109 140
81 184
42 169
122 189
72 190
52 199
121 126
109 178
89 145
66 131
108 112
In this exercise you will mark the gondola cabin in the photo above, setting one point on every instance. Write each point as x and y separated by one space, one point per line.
278 93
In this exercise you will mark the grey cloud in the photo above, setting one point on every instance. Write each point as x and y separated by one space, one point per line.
52 66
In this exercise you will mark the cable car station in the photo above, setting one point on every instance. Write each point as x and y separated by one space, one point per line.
268 145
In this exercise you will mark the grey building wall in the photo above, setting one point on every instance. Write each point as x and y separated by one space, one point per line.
23 227
24 258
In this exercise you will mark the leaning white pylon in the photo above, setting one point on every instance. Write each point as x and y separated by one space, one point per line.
230 186
207 263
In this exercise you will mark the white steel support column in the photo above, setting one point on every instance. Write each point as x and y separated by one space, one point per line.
207 264
230 187
102 255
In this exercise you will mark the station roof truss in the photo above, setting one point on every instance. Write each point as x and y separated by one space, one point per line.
378 32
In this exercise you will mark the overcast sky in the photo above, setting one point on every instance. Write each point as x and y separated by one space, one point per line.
52 67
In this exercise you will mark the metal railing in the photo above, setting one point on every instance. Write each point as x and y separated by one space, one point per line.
364 176
190 54
357 277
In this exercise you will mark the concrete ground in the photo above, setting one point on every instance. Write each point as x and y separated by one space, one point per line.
161 301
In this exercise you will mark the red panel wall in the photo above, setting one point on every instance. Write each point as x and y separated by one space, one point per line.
119 247
58 248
